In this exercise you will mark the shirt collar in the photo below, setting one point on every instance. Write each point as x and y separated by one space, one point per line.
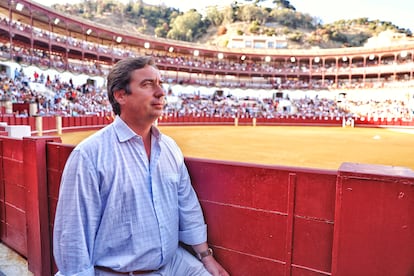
124 132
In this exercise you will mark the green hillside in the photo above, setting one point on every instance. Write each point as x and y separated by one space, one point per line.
215 24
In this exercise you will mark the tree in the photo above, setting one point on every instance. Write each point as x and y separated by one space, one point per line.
186 27
228 15
162 31
215 16
283 4
252 13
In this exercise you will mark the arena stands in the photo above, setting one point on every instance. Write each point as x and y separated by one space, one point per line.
55 96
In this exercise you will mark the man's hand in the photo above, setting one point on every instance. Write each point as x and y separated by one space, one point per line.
214 267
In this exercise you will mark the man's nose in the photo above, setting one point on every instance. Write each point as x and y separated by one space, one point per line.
160 91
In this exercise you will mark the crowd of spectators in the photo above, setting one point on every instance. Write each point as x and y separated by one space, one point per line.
44 60
54 96
282 67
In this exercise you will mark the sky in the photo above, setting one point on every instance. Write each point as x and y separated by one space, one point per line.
399 12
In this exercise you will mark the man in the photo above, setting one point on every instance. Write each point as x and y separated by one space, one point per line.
126 201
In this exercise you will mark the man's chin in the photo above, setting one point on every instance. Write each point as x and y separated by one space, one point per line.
157 114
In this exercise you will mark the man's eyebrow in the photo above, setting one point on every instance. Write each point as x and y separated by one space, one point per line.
160 81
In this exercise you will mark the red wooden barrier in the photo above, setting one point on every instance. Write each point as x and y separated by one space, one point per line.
35 175
94 120
82 121
77 121
12 195
12 120
32 123
57 155
266 220
66 122
49 123
374 221
88 120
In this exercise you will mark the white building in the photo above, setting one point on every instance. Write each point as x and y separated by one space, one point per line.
257 42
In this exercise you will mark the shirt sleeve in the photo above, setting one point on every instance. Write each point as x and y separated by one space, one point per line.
77 217
193 229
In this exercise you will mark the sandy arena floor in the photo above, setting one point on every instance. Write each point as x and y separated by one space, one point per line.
312 147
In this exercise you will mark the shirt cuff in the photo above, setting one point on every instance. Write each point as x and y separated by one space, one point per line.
194 236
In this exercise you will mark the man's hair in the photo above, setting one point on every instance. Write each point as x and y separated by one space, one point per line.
120 76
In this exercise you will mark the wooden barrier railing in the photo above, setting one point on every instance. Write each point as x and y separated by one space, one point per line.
55 124
262 220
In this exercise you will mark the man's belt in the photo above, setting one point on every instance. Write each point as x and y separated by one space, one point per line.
136 272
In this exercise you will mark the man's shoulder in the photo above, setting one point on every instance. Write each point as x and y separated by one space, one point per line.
171 145
100 138
168 140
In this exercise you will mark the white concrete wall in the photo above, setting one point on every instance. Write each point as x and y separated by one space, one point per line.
19 131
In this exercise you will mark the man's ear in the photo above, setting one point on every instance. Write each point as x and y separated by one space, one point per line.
120 95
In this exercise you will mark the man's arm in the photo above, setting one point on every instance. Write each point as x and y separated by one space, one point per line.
76 218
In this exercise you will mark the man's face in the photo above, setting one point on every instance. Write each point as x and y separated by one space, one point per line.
147 99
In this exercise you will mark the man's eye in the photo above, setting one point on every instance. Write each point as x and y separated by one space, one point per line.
148 83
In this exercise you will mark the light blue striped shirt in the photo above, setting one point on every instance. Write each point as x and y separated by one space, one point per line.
118 209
